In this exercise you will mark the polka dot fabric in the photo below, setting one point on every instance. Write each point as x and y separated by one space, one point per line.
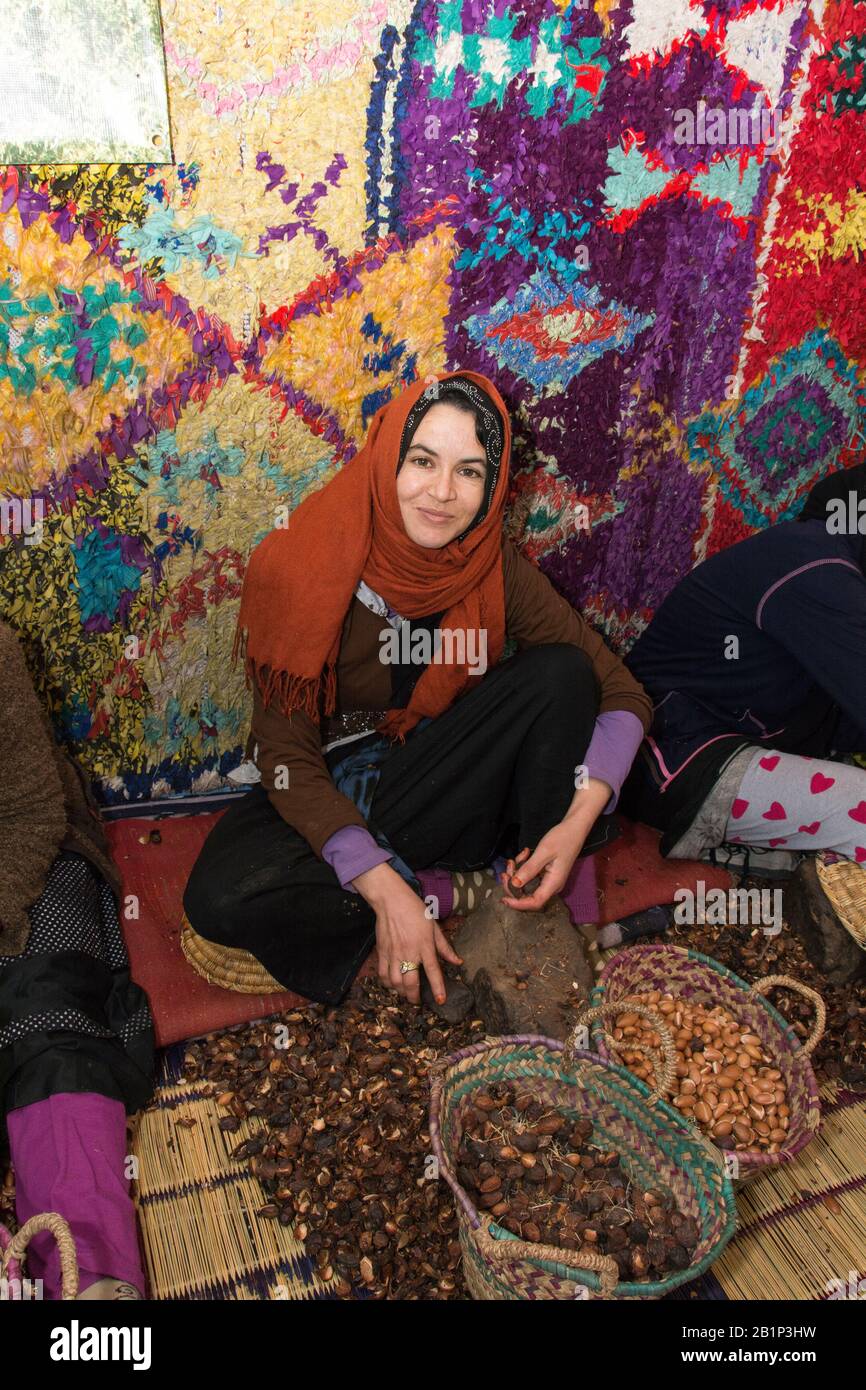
75 913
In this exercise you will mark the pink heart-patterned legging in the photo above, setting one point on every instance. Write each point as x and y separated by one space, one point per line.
797 803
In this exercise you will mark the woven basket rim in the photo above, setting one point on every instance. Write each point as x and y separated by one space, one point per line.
847 872
698 956
752 1161
226 967
467 1212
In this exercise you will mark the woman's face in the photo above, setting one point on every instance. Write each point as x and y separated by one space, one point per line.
440 486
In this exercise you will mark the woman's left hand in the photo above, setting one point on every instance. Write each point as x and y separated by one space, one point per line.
556 851
554 856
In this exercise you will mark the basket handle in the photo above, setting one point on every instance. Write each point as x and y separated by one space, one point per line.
665 1081
768 981
504 1251
47 1221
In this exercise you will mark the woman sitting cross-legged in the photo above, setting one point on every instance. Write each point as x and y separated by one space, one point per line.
76 1036
399 753
757 666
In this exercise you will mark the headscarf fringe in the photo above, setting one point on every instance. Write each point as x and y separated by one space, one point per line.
316 696
393 725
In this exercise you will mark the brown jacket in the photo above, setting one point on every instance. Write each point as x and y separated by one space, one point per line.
45 802
534 614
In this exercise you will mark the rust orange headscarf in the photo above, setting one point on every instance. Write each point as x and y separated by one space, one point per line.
301 580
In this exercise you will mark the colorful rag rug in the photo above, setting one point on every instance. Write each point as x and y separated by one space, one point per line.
643 218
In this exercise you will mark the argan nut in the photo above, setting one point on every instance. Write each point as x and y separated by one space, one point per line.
488 1200
550 1124
655 1250
526 1143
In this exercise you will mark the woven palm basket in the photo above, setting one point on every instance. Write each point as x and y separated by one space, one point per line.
226 966
845 886
696 977
657 1151
14 1248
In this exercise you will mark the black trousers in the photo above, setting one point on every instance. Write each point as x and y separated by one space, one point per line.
71 1017
493 773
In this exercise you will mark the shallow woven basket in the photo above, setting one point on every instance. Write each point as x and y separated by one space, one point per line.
845 886
693 976
658 1151
13 1250
226 966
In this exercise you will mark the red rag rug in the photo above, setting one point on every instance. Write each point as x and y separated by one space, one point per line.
183 1004
631 876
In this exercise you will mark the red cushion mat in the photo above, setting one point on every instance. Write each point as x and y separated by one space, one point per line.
183 1004
631 876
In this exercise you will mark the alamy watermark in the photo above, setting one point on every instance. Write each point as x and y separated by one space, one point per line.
77 1343
726 127
751 907
22 516
21 1290
853 1287
441 647
847 518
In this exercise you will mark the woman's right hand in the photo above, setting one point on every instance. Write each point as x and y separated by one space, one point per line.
405 932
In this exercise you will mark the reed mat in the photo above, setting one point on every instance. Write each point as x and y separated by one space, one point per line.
201 1237
800 1228
803 1227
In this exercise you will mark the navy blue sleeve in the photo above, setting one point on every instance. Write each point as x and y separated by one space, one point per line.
818 614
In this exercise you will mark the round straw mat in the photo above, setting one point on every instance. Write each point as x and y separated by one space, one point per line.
226 966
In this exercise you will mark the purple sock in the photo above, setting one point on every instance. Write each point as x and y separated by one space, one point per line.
580 893
69 1153
436 883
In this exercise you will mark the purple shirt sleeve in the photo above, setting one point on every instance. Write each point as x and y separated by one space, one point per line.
352 851
617 736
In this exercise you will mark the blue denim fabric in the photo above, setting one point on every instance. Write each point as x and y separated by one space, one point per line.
357 776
